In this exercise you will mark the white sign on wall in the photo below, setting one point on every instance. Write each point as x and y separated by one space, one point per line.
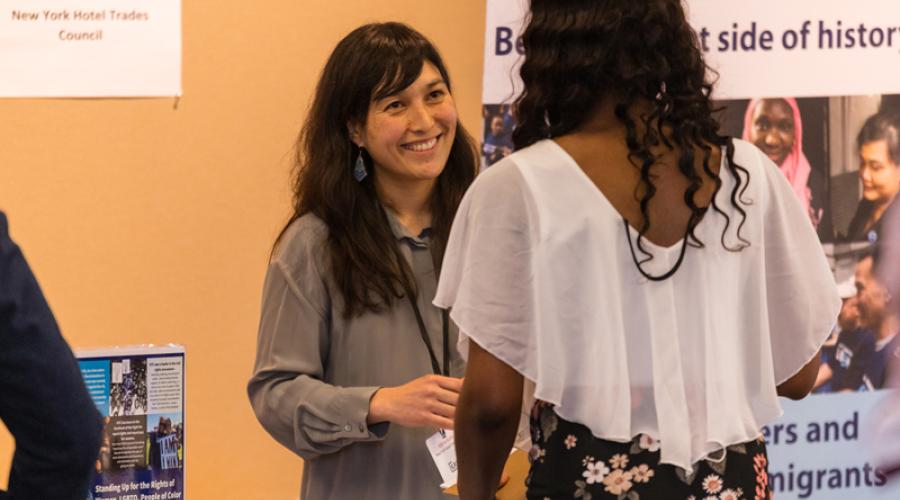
90 48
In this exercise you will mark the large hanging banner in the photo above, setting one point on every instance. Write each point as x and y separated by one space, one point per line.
90 48
140 393
814 84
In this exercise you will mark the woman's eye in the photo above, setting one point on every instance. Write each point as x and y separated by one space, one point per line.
393 105
436 94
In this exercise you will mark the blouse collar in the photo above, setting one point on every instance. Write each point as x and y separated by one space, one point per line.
402 233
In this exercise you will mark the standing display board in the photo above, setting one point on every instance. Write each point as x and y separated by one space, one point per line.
828 70
140 393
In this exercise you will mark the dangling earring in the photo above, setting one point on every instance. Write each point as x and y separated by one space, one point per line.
359 167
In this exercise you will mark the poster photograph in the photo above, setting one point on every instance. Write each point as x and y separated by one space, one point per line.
140 394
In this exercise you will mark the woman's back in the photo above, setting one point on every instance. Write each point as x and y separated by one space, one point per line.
604 158
692 360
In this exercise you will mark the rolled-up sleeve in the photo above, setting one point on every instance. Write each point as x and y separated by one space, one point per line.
287 391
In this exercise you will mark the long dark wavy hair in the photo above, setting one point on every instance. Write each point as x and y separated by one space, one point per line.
372 62
578 52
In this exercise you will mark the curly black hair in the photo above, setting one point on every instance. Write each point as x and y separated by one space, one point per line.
579 52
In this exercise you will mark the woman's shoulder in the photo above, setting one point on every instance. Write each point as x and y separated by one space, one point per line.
521 167
298 262
502 175
301 240
543 152
749 156
763 175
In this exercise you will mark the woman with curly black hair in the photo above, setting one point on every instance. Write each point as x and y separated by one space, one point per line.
652 285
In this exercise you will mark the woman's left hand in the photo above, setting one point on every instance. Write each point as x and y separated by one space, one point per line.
428 401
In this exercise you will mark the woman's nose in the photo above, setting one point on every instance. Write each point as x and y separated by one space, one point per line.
421 118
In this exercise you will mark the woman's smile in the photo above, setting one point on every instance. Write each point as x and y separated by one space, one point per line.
423 146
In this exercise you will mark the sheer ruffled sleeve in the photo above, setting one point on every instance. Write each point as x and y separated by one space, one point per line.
488 274
801 295
538 272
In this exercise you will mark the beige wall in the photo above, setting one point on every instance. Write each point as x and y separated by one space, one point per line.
149 224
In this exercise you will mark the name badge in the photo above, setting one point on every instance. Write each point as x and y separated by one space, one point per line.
443 452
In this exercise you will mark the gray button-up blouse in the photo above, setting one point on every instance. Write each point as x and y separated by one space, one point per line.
316 371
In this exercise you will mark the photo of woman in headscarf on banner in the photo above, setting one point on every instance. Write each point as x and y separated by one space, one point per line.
878 144
775 126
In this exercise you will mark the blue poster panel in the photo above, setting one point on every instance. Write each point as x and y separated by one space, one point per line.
140 393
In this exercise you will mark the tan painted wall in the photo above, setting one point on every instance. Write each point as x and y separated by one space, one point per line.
148 224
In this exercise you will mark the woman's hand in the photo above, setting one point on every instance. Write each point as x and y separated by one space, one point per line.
428 401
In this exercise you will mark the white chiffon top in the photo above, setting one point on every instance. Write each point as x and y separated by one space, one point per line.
538 272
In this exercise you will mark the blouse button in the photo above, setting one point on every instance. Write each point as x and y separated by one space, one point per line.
348 428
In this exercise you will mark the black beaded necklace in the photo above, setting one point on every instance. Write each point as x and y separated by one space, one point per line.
638 263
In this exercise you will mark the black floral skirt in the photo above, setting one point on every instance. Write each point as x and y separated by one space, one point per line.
567 461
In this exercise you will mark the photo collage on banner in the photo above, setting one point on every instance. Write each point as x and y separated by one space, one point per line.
827 117
838 154
140 394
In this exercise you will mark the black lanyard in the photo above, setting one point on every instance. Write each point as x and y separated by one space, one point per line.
445 330
423 332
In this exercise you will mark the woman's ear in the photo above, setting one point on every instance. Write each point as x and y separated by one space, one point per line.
355 135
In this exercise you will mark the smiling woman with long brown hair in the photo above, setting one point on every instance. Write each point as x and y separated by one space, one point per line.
354 370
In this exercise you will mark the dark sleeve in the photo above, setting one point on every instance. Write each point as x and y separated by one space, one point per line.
889 215
861 358
861 346
857 223
43 400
